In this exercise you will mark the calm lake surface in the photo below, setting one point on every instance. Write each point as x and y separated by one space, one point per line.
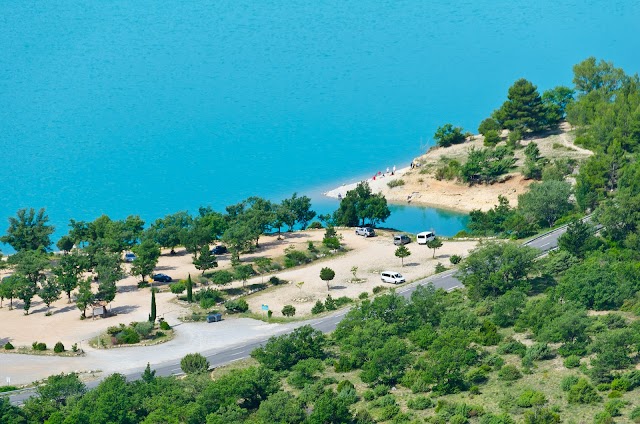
150 107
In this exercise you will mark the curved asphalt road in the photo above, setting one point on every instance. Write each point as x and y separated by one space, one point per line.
326 324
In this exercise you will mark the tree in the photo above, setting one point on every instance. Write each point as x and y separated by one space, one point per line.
447 135
194 363
282 352
330 409
31 264
533 162
58 389
49 292
578 239
29 231
326 275
486 165
65 244
491 138
189 289
9 288
591 76
288 310
147 254
488 125
85 296
205 260
243 273
300 210
171 230
545 202
493 268
402 252
238 237
222 277
148 376
555 103
361 204
434 244
152 315
282 408
69 269
523 110
25 290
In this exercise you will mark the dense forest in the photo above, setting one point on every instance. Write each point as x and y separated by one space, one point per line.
529 340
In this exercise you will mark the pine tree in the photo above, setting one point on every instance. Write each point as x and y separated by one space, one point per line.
152 315
189 289
148 375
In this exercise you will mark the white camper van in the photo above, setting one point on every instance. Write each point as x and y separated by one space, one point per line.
425 237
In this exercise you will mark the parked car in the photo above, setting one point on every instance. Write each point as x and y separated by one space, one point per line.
425 236
129 257
400 239
365 231
392 277
162 278
219 250
214 317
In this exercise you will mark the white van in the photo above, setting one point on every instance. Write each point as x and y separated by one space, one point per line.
425 237
392 277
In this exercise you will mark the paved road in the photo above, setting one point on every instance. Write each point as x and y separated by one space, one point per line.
326 324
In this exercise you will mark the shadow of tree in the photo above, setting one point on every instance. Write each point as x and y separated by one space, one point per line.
125 309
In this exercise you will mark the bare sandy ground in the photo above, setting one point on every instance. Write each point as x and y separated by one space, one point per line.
370 255
423 189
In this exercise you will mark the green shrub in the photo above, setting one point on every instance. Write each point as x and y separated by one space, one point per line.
295 258
330 304
614 407
378 289
39 346
509 373
58 348
112 331
8 346
318 308
128 336
620 384
603 417
178 287
530 398
363 295
368 395
572 361
474 390
512 346
395 183
143 328
583 392
276 281
477 375
538 352
194 363
315 225
288 310
221 277
568 382
614 394
164 325
381 390
635 415
602 387
343 300
419 403
345 384
4 389
440 268
208 297
455 259
235 306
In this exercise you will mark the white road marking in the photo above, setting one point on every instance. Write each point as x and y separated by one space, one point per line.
546 244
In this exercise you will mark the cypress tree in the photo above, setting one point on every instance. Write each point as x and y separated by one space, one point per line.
152 315
189 289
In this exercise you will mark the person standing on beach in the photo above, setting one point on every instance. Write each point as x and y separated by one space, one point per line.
387 170
394 170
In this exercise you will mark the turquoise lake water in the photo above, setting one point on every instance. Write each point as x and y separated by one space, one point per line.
150 107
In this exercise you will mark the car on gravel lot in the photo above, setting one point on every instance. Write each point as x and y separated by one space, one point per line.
162 278
365 231
392 277
219 250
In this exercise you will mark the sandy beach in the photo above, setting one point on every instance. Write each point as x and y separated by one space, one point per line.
421 188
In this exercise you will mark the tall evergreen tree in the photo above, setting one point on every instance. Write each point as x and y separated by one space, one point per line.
152 315
189 289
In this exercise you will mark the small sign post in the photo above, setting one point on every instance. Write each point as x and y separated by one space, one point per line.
264 308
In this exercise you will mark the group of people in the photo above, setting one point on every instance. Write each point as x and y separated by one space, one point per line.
380 174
